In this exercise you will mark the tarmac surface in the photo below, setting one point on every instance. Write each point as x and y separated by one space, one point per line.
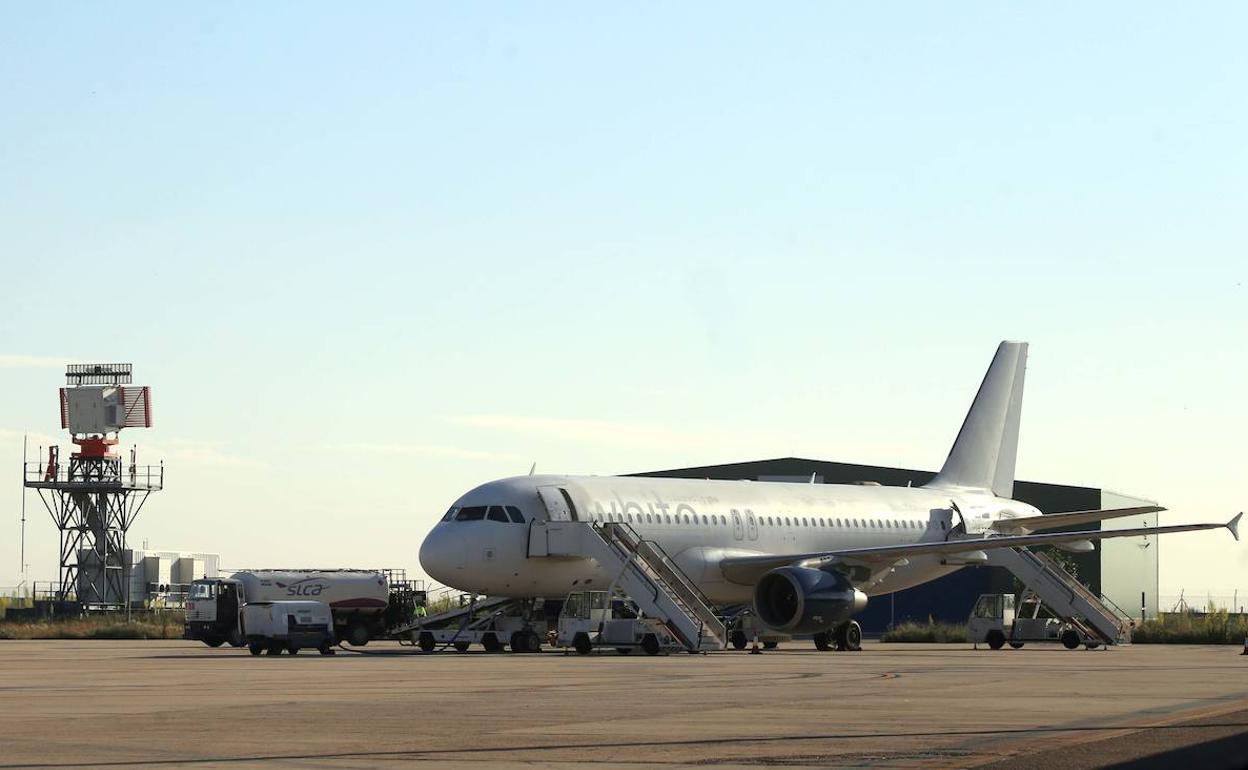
179 704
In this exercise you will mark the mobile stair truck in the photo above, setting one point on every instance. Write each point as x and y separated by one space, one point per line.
364 604
996 621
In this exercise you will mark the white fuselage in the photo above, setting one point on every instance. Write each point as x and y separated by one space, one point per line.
698 523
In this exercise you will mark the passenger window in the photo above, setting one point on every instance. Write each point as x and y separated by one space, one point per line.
496 513
515 514
648 518
472 513
667 519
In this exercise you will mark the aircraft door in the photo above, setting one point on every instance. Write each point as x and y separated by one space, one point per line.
738 528
751 525
558 503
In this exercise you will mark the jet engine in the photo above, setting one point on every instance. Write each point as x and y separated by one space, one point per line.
801 600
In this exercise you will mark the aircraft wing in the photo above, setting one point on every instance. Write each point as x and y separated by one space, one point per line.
746 570
1059 520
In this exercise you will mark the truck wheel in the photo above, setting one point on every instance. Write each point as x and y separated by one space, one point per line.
461 646
624 650
533 641
1070 639
737 637
581 643
255 648
995 639
273 649
357 635
823 641
650 644
214 642
324 649
427 642
490 643
292 649
1016 645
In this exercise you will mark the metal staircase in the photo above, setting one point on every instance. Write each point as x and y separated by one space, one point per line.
643 572
1064 595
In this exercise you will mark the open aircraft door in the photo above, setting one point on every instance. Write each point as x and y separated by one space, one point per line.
559 508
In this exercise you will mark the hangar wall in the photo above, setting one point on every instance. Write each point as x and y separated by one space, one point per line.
1121 569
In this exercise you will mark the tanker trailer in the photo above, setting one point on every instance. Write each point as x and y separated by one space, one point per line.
363 604
357 598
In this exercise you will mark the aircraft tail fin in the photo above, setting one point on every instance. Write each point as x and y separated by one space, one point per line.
985 451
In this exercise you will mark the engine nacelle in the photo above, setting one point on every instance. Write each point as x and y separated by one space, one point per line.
800 600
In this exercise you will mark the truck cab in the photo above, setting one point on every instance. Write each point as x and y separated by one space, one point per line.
997 619
212 612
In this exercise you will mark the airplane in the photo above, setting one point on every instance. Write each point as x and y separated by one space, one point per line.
807 556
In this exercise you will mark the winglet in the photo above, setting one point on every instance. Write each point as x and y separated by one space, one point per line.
1233 524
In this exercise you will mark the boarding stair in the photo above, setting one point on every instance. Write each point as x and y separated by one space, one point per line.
1066 597
643 572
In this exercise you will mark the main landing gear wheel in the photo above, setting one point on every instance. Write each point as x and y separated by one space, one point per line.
849 637
426 641
214 642
581 643
823 641
650 644
995 639
275 649
255 648
624 650
461 646
1070 639
292 649
770 645
1016 645
738 640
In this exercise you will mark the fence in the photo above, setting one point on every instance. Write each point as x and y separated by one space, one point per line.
1234 601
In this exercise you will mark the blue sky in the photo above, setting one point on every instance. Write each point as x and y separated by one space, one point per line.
369 258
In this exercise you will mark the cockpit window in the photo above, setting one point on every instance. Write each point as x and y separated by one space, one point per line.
496 513
515 514
471 513
450 514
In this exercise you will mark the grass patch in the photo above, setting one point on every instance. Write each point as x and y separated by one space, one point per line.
166 625
1216 627
931 631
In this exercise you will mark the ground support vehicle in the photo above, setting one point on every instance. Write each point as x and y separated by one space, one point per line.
494 623
596 619
277 627
997 621
364 604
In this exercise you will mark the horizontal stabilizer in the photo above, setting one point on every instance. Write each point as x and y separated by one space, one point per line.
1062 520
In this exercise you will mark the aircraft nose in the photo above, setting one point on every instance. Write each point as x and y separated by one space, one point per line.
443 554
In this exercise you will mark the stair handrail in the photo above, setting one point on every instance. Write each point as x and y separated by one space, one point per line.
686 595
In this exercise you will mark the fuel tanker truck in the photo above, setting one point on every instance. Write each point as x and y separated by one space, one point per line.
364 604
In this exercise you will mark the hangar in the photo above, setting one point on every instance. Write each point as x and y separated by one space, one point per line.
1122 571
